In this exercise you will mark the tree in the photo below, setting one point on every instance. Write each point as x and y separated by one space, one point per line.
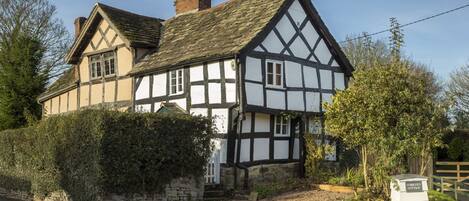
35 18
32 47
387 113
20 81
459 91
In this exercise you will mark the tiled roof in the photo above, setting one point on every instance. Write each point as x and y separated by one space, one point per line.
137 29
67 80
218 32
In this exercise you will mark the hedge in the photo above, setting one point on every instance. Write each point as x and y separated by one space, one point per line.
92 152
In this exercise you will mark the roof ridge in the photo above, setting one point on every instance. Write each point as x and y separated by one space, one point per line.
101 5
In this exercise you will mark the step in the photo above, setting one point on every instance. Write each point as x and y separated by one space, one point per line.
214 193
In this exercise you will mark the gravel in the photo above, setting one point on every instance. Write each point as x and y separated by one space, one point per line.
313 195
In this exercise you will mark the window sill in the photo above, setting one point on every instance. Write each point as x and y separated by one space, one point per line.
274 87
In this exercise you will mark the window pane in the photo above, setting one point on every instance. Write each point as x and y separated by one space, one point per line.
98 69
113 70
173 74
278 128
270 67
278 80
106 67
284 129
173 89
93 70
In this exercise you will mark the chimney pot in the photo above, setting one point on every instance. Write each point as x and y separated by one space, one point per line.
186 6
79 22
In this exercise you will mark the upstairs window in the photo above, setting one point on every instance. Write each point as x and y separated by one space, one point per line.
282 126
176 84
274 73
103 65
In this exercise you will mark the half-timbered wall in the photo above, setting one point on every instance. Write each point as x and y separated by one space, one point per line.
65 102
209 90
106 90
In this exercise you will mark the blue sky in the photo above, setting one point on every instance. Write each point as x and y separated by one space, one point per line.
441 43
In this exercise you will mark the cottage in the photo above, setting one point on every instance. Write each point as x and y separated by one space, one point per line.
246 63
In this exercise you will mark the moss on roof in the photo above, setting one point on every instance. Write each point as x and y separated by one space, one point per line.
68 79
138 29
218 32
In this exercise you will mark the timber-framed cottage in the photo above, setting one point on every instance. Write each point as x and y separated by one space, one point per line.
246 63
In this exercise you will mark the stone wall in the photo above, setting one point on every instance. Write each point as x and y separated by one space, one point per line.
259 174
183 189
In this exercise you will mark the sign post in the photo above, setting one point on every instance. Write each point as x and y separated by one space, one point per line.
409 187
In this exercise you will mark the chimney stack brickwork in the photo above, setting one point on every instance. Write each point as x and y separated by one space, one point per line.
185 6
79 22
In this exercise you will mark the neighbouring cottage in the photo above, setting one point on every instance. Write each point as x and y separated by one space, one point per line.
244 63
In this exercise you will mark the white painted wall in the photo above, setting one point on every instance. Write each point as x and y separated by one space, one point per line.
159 85
197 73
311 33
275 99
286 29
293 74
339 81
326 79
296 149
247 123
299 48
230 69
199 111
281 149
262 122
197 94
323 53
230 92
220 118
143 91
295 101
312 102
245 150
272 43
261 149
253 69
143 108
326 98
181 103
297 12
311 77
255 94
213 71
214 93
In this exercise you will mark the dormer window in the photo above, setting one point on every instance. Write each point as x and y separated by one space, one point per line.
103 65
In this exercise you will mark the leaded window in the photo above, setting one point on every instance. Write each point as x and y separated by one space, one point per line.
176 84
103 65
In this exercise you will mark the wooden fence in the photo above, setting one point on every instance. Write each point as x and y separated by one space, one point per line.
452 178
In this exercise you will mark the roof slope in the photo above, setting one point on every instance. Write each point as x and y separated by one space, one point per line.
67 80
138 29
218 32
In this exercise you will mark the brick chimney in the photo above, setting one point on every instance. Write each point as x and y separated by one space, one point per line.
79 22
186 6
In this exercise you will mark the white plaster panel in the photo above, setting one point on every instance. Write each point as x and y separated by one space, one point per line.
326 79
334 63
197 94
323 53
262 122
286 29
223 150
326 98
299 48
281 149
310 34
339 79
143 90
295 101
158 106
143 108
213 71
275 99
159 85
230 92
258 49
214 93
297 12
261 149
296 149
245 149
293 74
197 73
220 117
230 69
312 102
255 94
311 77
199 111
181 103
253 69
272 43
247 123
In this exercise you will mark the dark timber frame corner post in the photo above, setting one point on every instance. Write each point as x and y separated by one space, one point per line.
303 153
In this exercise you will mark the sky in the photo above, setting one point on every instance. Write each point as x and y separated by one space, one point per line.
441 43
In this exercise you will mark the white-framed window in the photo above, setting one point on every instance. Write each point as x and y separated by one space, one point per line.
274 73
103 65
176 82
282 126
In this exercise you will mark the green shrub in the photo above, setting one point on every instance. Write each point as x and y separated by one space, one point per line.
91 152
455 148
438 196
466 151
